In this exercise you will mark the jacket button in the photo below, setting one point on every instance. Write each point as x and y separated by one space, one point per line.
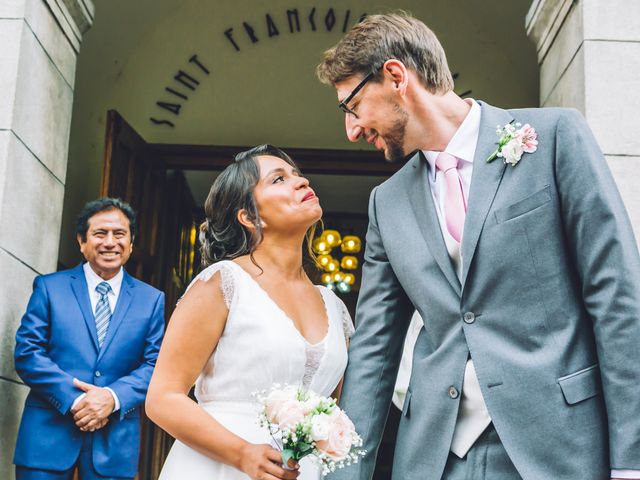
469 317
453 392
98 374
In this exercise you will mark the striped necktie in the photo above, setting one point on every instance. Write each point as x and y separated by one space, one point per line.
103 311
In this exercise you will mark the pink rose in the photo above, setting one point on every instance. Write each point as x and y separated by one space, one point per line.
290 413
527 137
340 436
275 402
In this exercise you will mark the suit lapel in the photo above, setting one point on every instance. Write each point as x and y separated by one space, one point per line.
81 292
425 212
485 180
122 306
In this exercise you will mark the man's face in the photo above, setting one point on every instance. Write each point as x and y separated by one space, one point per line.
109 244
377 117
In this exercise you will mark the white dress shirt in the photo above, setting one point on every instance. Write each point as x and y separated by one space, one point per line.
93 279
473 416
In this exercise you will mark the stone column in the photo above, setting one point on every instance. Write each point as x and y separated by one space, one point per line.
39 44
589 57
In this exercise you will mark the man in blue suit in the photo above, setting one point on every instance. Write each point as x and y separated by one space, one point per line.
86 347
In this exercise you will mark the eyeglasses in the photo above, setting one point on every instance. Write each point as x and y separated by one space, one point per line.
343 104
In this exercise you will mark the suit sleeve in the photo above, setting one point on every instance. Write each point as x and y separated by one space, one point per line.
132 389
382 319
608 265
32 362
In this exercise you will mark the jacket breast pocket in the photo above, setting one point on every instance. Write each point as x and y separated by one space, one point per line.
526 205
581 385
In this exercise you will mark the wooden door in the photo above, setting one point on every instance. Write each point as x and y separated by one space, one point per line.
182 218
132 173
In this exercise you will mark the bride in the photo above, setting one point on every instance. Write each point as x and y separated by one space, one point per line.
252 318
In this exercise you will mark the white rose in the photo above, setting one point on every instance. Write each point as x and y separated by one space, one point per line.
512 151
320 427
312 402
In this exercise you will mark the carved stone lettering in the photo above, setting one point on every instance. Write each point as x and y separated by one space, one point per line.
330 19
250 31
272 29
162 122
171 107
194 59
346 21
312 20
229 34
176 93
186 79
291 16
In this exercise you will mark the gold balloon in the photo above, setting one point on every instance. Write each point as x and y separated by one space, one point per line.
337 276
332 266
321 246
351 244
323 260
349 262
332 237
326 278
349 278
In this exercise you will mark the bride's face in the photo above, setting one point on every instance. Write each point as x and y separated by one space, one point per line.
283 197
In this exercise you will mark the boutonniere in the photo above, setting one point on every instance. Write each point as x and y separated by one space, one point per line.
513 141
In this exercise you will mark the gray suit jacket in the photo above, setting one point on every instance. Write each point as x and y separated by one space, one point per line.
551 295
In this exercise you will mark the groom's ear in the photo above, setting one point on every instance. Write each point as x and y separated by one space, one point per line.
398 74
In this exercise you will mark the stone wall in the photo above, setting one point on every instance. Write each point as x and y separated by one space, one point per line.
589 57
39 43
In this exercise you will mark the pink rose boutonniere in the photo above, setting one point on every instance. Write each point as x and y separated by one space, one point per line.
514 141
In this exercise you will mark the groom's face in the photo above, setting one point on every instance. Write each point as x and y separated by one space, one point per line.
375 116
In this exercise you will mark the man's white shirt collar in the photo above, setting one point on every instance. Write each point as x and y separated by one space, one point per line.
93 279
463 143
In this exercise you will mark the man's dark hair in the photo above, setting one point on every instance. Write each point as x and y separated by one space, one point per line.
103 205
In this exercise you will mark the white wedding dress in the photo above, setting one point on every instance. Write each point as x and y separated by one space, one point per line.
260 346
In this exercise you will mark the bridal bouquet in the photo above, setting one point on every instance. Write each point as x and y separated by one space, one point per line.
303 423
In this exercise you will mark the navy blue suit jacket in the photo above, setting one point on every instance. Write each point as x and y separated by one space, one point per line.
57 341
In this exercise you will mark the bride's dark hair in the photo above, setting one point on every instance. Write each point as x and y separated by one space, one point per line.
222 236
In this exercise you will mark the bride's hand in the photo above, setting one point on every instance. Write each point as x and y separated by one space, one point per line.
263 462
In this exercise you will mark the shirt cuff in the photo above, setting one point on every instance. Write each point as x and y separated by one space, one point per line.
625 473
78 398
116 401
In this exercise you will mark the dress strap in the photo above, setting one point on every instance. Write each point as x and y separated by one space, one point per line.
227 280
345 316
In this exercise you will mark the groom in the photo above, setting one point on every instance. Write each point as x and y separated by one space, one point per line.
524 269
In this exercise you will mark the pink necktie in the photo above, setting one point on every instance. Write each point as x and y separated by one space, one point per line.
455 207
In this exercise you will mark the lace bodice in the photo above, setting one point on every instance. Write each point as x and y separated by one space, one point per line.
260 344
